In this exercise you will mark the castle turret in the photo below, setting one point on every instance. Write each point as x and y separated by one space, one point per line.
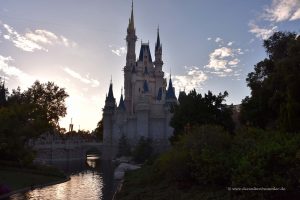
170 94
122 106
131 39
158 54
108 115
110 101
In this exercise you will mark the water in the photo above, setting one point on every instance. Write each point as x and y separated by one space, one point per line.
90 179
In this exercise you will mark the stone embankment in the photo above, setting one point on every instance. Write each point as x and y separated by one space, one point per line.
124 164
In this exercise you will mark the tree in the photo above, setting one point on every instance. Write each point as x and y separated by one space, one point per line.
26 115
48 97
143 150
124 147
3 94
99 130
195 109
274 84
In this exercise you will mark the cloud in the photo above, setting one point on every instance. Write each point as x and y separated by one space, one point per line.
192 78
234 62
229 43
20 41
67 42
209 38
118 51
282 10
223 61
217 40
35 40
12 71
218 58
87 80
41 36
261 33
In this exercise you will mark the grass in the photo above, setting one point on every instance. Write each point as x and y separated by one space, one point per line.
17 179
144 184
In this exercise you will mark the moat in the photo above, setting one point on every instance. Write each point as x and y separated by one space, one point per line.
90 179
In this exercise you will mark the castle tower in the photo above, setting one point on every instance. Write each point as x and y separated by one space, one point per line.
108 114
131 39
144 109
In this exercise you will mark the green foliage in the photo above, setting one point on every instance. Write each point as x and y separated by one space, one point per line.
49 98
143 150
3 93
274 84
26 115
99 130
124 147
266 159
209 159
195 109
200 156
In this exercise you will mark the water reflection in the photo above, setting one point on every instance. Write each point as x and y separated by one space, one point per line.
91 160
89 180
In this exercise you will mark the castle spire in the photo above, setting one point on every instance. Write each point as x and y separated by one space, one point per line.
132 18
158 53
157 45
122 103
131 39
171 91
110 92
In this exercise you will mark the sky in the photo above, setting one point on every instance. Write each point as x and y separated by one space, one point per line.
80 45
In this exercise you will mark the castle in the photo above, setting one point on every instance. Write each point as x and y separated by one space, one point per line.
144 111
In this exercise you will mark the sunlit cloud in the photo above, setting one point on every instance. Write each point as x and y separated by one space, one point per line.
282 10
42 36
9 70
35 40
20 41
229 43
86 80
193 78
118 51
224 61
217 40
261 33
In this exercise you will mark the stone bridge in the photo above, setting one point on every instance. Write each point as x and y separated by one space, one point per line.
49 148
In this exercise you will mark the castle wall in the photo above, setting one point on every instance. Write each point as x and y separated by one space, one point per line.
156 128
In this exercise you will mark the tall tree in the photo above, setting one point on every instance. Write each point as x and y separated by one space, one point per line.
195 109
274 84
27 115
48 97
3 93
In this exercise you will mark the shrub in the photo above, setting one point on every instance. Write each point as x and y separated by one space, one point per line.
143 150
124 147
199 156
266 159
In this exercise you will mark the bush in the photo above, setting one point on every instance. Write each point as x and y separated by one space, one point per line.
207 160
266 159
200 156
124 147
143 150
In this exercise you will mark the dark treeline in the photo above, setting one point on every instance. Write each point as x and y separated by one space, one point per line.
209 157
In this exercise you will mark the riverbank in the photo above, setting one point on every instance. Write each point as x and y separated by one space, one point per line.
144 184
16 180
